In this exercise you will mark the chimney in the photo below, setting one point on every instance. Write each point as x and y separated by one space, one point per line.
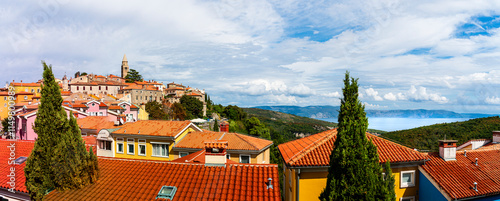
224 127
215 152
496 136
448 149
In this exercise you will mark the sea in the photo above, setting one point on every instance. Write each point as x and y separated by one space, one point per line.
394 124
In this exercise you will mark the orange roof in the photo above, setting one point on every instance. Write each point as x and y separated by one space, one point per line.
142 180
490 146
315 150
23 148
193 94
23 93
236 141
114 76
65 93
99 76
95 122
220 144
115 107
457 177
154 128
21 84
90 140
197 157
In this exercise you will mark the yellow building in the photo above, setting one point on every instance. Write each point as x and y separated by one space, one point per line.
240 149
143 115
33 88
151 140
306 163
7 100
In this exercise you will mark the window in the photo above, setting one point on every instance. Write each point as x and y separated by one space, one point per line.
77 88
228 156
5 98
160 150
182 154
25 97
407 199
38 90
407 178
99 88
5 105
90 88
100 114
142 150
106 87
105 145
290 178
83 87
130 146
244 158
119 147
32 90
26 90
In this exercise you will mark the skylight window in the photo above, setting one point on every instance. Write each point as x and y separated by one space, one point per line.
167 192
20 160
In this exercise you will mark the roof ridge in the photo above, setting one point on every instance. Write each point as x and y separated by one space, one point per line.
223 134
254 146
311 146
192 159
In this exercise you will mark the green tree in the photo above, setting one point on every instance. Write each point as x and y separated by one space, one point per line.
5 124
133 76
254 127
193 106
354 172
216 126
58 159
178 111
234 112
155 110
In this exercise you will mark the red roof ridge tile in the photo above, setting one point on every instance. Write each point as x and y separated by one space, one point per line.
318 142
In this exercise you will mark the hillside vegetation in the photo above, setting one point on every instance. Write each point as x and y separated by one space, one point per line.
426 137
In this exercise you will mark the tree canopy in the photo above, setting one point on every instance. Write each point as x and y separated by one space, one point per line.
133 76
354 172
155 110
193 107
234 112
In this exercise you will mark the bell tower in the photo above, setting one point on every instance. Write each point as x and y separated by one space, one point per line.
125 67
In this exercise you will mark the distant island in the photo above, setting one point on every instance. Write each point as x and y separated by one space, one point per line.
324 112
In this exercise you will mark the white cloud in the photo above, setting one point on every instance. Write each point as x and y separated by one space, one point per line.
332 94
493 100
374 94
373 106
417 95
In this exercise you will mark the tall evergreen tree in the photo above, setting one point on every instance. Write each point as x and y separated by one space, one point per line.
57 160
216 126
355 172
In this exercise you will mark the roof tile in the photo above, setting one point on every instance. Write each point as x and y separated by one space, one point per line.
154 127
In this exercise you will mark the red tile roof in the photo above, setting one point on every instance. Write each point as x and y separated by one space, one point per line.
115 107
315 150
22 148
220 144
457 177
65 93
154 128
236 141
95 122
122 179
32 84
490 146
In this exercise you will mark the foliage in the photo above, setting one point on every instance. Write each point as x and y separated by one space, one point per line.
178 112
233 112
354 172
254 127
237 127
389 191
59 159
193 107
155 110
216 126
133 76
426 137
5 124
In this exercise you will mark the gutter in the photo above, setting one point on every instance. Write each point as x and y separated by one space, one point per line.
297 184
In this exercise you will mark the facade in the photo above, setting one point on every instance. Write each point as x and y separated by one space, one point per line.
141 94
241 148
470 174
151 140
125 67
34 88
18 98
306 163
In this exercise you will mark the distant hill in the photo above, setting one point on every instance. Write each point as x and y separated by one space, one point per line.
426 137
322 112
289 123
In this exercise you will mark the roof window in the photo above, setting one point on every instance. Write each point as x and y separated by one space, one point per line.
20 160
167 192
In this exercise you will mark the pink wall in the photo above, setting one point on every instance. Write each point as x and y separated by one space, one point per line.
96 108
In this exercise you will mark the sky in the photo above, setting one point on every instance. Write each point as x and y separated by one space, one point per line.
407 54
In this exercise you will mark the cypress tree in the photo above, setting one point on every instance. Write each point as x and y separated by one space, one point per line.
216 126
58 159
354 172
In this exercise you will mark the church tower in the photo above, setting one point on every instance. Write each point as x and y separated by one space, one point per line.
125 67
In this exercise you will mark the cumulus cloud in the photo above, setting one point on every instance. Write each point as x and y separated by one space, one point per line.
493 100
417 95
374 94
332 94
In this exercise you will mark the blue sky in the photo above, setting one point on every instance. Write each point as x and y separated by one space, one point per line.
406 54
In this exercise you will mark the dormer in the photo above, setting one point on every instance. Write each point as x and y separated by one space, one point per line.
496 136
215 152
448 149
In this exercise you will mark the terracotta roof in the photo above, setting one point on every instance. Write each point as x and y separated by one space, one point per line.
32 84
22 148
115 107
457 177
490 146
154 128
99 76
220 144
90 140
142 180
236 141
23 93
65 93
22 114
114 76
95 122
315 150
197 157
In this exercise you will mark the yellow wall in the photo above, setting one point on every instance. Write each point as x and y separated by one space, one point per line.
4 103
312 183
28 89
143 115
149 147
